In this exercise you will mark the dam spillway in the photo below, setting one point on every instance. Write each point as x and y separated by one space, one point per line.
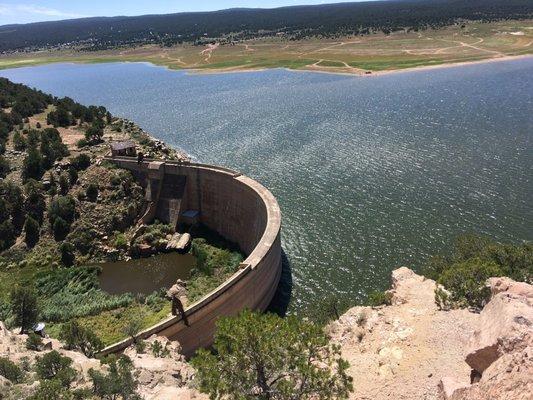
238 208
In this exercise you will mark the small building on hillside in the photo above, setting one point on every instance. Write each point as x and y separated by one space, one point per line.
123 149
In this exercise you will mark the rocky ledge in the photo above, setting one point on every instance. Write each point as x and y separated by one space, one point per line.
413 350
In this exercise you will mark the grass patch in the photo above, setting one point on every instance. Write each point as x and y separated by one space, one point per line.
111 326
330 63
216 260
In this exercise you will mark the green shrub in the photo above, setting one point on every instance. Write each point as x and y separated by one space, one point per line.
7 235
72 175
80 144
120 241
52 390
19 143
32 167
24 309
5 168
54 366
210 258
466 281
81 162
35 203
64 184
140 346
442 299
79 338
34 342
63 207
117 383
84 237
52 185
473 260
378 298
61 214
67 254
31 231
92 192
262 356
158 350
327 309
13 193
61 228
94 134
10 371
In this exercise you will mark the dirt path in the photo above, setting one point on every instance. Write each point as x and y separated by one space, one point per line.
347 69
332 46
475 47
177 60
209 51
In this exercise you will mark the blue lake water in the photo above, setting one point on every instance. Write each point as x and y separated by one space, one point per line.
371 173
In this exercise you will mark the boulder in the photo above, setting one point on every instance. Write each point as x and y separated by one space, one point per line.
504 284
508 378
448 386
505 324
500 351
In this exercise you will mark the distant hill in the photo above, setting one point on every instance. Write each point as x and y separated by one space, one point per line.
298 22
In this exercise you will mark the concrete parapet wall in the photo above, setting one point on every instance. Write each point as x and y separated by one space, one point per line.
244 212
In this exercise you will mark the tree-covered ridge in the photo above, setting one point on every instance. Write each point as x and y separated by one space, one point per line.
296 22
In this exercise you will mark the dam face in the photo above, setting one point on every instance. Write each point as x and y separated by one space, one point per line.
238 208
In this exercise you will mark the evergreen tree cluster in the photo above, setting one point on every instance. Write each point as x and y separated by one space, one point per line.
68 113
20 208
43 148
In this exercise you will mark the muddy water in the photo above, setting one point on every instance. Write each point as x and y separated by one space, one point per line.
146 274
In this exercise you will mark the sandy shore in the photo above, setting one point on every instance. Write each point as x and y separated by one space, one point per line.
359 72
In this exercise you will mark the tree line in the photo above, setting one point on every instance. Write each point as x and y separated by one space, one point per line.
299 21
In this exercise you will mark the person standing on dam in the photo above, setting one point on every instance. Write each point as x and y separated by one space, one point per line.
178 295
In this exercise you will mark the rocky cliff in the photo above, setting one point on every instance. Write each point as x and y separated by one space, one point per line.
413 350
163 376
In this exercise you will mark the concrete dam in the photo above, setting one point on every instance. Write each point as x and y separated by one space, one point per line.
238 208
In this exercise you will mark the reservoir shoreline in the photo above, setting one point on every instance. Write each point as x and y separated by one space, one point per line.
238 70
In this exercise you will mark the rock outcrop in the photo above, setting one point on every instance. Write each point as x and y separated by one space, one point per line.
401 351
500 351
161 376
164 377
413 350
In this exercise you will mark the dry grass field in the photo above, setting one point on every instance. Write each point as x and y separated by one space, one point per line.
359 54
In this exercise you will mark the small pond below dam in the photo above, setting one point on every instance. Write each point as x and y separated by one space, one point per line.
145 275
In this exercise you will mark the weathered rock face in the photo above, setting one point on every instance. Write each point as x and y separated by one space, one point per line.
401 351
500 351
163 376
505 326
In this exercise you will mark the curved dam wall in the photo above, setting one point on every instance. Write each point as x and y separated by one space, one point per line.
238 208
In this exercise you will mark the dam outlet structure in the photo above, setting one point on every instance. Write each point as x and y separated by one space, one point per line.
237 207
